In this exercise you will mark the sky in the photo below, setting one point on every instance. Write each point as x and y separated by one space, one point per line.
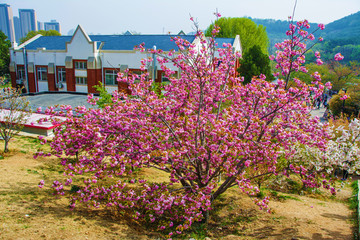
164 16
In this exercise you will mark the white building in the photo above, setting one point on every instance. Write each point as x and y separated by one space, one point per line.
77 63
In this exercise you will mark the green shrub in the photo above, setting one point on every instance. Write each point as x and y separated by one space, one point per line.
105 97
351 105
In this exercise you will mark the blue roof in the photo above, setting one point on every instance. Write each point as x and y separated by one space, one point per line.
221 41
49 42
128 42
118 42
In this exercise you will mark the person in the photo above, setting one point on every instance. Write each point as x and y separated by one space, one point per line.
326 113
325 100
345 175
318 102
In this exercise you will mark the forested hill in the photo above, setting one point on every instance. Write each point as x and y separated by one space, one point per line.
342 35
344 28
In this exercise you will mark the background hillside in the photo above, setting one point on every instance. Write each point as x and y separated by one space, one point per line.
345 28
342 35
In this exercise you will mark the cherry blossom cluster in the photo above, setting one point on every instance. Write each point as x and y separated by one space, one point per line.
290 56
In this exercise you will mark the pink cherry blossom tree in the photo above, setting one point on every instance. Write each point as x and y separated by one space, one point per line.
208 132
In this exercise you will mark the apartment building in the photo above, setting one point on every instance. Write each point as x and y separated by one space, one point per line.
28 21
52 25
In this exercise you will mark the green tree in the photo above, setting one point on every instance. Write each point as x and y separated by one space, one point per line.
32 34
4 54
340 75
250 33
343 75
350 106
253 63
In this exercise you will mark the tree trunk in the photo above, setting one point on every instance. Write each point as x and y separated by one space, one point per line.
205 214
6 142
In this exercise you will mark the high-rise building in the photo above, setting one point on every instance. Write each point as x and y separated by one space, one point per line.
6 22
52 25
40 25
17 29
27 21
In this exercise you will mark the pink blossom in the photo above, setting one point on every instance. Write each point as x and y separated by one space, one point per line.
344 97
311 37
338 57
217 14
319 62
321 26
41 184
328 85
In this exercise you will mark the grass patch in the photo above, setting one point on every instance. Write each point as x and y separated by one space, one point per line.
281 197
32 171
353 205
353 201
198 231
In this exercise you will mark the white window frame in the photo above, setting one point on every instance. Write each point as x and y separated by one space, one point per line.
42 74
81 80
62 74
20 73
111 74
80 65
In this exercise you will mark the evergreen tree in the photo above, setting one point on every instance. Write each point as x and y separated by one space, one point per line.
253 63
4 54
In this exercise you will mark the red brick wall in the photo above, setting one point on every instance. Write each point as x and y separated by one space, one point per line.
31 79
51 82
13 79
93 78
70 80
159 74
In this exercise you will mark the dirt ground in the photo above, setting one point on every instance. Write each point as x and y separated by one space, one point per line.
27 212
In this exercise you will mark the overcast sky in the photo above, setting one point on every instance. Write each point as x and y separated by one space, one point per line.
163 16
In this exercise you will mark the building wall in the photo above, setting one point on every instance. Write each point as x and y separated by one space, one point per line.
115 59
80 48
44 57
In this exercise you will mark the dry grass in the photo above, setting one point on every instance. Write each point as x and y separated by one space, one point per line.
27 212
